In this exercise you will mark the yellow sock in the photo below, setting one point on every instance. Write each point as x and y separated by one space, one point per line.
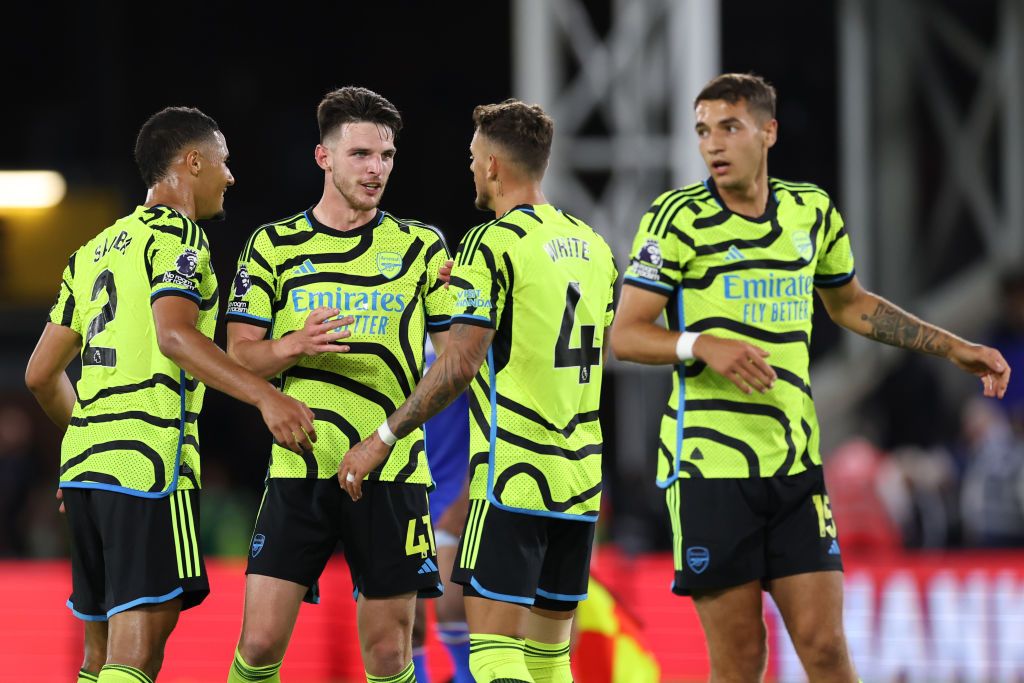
86 677
406 675
242 672
548 662
121 673
497 659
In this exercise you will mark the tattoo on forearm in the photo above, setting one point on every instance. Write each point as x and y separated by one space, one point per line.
896 327
448 378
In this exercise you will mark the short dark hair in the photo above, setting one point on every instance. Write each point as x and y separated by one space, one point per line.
164 135
759 93
353 104
524 130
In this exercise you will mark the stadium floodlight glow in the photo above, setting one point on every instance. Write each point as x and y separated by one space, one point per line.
31 189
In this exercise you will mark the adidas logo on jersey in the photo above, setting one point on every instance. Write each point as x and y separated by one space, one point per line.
834 548
305 268
734 254
427 567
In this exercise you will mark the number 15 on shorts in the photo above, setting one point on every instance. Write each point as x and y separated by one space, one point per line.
826 525
417 543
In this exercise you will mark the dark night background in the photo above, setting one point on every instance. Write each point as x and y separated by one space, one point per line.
82 78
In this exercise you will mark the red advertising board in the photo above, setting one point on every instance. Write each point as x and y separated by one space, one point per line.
909 617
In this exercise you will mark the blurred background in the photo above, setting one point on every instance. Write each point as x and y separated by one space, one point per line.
910 113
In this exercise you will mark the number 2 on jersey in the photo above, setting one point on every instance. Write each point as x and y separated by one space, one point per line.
586 354
101 355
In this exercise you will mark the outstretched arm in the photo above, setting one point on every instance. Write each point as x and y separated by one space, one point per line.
871 316
464 352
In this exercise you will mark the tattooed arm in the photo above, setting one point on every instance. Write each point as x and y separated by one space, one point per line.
871 316
464 352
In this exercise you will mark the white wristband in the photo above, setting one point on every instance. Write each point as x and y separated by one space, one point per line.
386 435
684 345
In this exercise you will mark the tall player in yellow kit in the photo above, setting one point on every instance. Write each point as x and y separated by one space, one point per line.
732 263
138 303
342 263
533 296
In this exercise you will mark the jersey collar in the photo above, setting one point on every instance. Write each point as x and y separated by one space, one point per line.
769 210
377 219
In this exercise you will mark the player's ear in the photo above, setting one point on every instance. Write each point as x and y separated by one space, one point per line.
323 157
193 161
493 164
771 133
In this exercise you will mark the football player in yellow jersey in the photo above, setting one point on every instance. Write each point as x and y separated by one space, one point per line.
129 614
747 511
535 439
304 276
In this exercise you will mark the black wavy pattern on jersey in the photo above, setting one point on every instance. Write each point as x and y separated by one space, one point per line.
405 341
749 331
169 422
157 379
753 464
469 243
391 360
71 262
713 272
149 251
260 283
410 467
343 425
338 380
67 315
212 301
261 261
460 283
664 213
432 251
97 477
749 409
768 239
836 240
501 481
477 459
140 447
532 214
548 449
308 460
169 230
190 440
501 343
697 367
520 232
361 247
790 377
535 417
805 457
666 453
408 259
413 223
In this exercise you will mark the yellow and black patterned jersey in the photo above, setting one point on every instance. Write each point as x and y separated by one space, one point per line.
741 278
544 281
134 426
385 275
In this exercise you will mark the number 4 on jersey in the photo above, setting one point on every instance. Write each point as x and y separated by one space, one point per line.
586 354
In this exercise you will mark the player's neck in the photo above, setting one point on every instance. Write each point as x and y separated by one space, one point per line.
171 193
747 200
512 196
333 211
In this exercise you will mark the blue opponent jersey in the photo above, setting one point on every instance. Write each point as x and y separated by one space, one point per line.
446 440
